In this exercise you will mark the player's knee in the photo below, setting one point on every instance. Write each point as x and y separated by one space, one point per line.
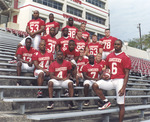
86 85
95 86
70 85
41 75
19 64
50 84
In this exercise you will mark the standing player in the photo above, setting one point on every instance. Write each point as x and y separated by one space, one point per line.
85 34
51 24
94 47
91 74
108 44
120 65
72 29
24 58
42 60
51 41
60 72
81 44
99 61
34 28
64 40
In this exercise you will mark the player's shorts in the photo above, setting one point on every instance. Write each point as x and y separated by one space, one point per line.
105 54
59 83
90 82
35 41
37 72
26 67
113 84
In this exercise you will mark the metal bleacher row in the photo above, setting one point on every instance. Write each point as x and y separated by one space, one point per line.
22 99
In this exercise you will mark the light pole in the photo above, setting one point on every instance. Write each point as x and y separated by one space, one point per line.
139 27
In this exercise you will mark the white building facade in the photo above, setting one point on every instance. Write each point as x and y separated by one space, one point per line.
93 12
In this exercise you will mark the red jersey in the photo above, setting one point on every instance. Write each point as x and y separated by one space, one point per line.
72 30
35 25
70 55
49 25
26 55
109 43
51 43
102 63
81 44
117 64
43 60
92 70
85 35
81 63
60 70
63 42
94 48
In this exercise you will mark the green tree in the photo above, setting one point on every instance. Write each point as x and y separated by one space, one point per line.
145 41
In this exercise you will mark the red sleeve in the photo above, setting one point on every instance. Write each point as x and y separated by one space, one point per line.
51 57
77 53
57 24
58 41
43 37
42 23
107 60
84 68
35 56
127 63
28 24
19 51
51 67
69 66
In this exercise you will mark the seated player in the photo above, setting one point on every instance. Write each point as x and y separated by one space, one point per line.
59 73
80 63
72 55
51 41
81 44
63 41
24 58
99 61
42 60
91 75
94 47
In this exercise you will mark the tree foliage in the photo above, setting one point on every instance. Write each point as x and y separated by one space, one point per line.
145 42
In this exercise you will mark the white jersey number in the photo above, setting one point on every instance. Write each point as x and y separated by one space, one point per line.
60 74
107 45
94 74
114 68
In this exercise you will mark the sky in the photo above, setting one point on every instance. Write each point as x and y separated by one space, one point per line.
125 15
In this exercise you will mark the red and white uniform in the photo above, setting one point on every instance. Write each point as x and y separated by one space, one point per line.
43 60
34 25
94 48
49 25
51 43
92 71
85 35
70 55
72 30
81 44
26 55
117 64
63 42
81 63
109 43
60 71
102 63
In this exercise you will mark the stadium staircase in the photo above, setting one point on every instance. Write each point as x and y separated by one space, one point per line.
19 103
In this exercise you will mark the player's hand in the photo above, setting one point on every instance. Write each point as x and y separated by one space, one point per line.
30 64
46 72
121 92
97 79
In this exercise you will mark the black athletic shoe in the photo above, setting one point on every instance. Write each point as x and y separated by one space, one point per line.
51 105
104 105
71 105
86 103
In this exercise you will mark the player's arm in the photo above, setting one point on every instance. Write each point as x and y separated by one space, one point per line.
19 58
89 40
28 31
122 90
52 76
100 50
87 77
86 50
76 58
36 64
40 30
56 30
68 75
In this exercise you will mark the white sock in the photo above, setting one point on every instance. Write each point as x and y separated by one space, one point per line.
106 100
